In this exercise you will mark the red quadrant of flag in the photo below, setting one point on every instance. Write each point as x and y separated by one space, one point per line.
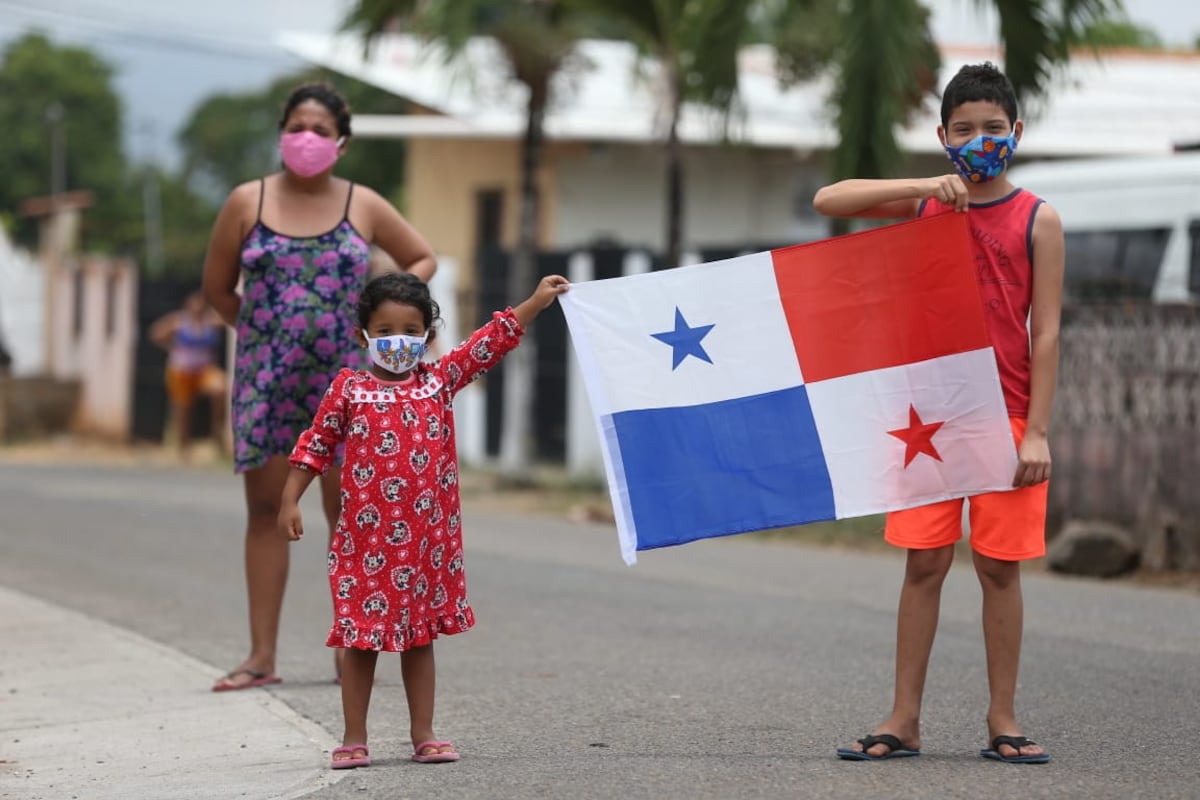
881 298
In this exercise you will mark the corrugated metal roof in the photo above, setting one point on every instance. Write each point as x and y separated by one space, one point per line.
1121 103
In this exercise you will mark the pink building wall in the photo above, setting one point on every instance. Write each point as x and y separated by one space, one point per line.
93 340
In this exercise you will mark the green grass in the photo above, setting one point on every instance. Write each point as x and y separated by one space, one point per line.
859 533
551 491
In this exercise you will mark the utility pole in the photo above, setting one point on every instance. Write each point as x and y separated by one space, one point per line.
56 226
151 204
56 119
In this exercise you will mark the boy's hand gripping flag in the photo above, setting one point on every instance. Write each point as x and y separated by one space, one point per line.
835 379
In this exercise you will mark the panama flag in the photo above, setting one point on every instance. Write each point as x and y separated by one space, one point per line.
834 379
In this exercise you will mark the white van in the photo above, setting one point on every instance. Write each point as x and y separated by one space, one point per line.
1132 225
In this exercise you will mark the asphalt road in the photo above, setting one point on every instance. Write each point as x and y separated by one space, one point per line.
725 669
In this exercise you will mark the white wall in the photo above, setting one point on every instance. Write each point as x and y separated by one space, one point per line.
22 289
470 410
734 195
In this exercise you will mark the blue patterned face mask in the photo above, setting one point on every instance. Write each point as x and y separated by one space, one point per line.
397 354
983 158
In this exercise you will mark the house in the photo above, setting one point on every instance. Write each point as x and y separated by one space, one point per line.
602 179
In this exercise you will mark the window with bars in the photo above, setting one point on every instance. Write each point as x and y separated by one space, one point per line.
1114 264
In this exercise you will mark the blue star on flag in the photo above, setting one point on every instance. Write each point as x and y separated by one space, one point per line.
684 340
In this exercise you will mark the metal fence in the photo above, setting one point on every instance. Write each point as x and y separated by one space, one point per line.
1125 433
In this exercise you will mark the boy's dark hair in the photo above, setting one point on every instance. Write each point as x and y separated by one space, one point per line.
326 95
976 82
399 287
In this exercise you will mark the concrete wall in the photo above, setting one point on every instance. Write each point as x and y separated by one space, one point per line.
733 195
616 191
22 315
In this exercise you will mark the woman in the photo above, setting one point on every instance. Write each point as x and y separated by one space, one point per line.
190 336
299 240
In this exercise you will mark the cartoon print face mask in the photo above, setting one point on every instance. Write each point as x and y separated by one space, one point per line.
984 158
397 354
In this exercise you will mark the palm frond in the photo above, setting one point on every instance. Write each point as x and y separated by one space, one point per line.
886 50
806 35
372 18
1037 36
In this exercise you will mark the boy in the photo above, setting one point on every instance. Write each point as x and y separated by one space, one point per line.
1018 248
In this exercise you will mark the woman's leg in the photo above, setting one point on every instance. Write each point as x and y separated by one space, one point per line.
331 501
218 398
266 570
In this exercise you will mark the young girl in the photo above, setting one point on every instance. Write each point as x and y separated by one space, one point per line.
395 560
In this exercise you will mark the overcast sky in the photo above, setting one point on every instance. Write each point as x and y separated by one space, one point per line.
170 55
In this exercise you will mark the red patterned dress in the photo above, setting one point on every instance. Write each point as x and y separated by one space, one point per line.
396 558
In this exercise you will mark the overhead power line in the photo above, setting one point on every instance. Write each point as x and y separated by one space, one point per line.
138 34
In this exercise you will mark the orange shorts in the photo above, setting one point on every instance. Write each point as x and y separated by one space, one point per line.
184 387
1008 526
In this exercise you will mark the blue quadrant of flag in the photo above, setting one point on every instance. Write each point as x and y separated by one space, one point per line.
714 469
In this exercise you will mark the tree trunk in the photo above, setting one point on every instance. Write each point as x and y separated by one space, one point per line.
675 200
516 446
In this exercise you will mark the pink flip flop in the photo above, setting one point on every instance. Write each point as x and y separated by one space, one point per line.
436 757
355 761
257 679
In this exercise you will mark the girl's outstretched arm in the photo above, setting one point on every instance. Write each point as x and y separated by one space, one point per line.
490 343
549 288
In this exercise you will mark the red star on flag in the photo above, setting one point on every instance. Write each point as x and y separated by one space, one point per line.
917 437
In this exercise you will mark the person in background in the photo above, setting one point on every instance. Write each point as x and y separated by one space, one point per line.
190 336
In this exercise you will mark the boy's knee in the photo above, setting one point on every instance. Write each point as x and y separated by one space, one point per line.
929 565
1000 574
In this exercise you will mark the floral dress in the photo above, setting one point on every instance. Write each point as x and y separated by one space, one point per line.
295 330
396 556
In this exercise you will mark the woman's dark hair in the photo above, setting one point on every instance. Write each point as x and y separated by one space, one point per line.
399 287
326 95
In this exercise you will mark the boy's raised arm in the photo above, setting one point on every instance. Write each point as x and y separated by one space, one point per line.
888 199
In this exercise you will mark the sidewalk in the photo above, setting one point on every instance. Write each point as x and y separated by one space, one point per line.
92 711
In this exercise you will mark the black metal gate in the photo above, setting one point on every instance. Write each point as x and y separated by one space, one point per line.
156 298
549 334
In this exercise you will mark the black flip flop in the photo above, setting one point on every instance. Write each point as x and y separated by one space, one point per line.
896 749
1016 743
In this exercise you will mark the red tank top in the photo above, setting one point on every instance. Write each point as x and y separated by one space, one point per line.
1003 243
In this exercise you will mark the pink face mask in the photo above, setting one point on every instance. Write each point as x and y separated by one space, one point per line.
306 153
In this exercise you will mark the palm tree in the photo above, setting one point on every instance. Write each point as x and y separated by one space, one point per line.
536 37
695 44
886 60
